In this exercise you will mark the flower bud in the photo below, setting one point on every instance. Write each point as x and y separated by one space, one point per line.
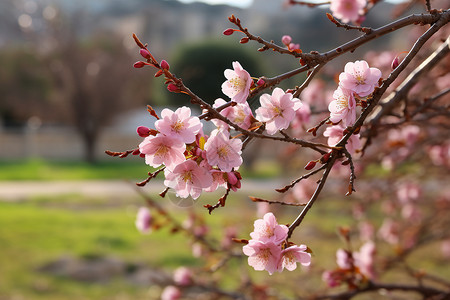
286 39
310 165
144 53
395 63
244 40
260 81
159 73
228 31
143 131
165 65
173 88
139 64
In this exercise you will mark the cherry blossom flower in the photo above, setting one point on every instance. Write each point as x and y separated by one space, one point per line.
188 178
262 256
344 259
161 149
347 10
170 293
364 259
359 78
277 110
268 230
293 254
238 83
240 114
179 124
144 220
222 151
343 107
182 276
335 134
389 231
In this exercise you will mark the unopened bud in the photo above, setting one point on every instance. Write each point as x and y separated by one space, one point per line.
159 73
165 65
144 53
139 64
325 158
228 31
173 88
310 165
395 63
260 81
244 40
136 152
286 39
143 131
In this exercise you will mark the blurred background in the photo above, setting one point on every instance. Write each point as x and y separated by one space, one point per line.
68 92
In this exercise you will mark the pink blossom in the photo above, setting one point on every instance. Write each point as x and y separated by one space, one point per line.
188 178
343 107
293 254
364 259
445 248
389 231
218 180
408 192
278 110
347 10
359 78
144 220
268 230
223 152
161 149
440 154
182 276
366 231
262 256
344 259
286 39
238 83
179 124
302 117
335 134
170 293
240 114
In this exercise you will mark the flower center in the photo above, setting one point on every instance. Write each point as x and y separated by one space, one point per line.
264 254
237 84
187 176
342 102
162 151
240 116
277 111
359 78
268 231
222 151
178 126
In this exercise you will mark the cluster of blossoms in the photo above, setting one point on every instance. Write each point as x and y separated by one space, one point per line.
268 249
353 267
356 83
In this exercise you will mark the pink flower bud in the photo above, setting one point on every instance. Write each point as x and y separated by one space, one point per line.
395 63
310 165
232 179
159 73
143 131
260 81
286 39
139 64
144 53
173 88
228 31
244 40
165 65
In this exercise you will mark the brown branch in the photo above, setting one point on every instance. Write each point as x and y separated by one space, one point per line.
256 199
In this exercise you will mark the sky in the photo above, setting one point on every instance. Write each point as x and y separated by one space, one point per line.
237 3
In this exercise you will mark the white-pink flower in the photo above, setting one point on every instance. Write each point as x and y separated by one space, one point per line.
170 292
223 152
182 276
293 254
335 134
238 83
268 230
143 220
162 149
347 10
240 114
188 179
359 78
263 256
343 107
179 124
364 259
277 110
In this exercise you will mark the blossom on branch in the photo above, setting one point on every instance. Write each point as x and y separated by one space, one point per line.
359 78
268 230
263 256
223 152
238 83
179 124
347 10
143 220
162 149
336 133
277 110
343 107
188 179
240 114
293 254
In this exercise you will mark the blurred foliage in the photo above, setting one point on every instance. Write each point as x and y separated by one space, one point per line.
201 66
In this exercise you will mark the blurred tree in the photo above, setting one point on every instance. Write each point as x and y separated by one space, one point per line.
201 66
